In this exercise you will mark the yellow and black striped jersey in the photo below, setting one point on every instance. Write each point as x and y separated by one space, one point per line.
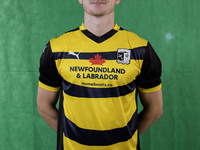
99 78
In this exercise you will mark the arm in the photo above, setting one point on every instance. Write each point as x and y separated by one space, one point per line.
46 102
153 109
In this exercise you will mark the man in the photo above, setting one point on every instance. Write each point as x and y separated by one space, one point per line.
98 69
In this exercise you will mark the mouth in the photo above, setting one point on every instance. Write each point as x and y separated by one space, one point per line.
98 2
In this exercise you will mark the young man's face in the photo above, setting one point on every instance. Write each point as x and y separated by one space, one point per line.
99 7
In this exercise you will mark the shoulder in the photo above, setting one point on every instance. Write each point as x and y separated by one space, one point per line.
133 39
59 43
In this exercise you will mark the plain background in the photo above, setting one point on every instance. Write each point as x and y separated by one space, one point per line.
172 27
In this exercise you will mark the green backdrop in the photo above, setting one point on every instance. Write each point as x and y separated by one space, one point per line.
173 28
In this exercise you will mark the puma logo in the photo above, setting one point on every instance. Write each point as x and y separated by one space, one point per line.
74 54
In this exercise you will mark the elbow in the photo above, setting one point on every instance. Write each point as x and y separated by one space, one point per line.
39 108
158 113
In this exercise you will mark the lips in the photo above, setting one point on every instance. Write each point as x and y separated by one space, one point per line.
98 2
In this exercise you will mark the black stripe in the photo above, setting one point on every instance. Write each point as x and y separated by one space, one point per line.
100 138
151 69
48 72
136 54
60 124
136 99
80 91
97 38
86 56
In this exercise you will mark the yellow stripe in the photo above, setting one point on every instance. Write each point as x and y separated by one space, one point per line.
135 40
100 113
85 77
128 145
85 44
149 90
49 88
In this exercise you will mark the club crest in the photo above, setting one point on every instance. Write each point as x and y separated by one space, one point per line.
123 56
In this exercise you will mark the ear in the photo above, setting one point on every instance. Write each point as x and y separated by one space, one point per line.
80 1
117 2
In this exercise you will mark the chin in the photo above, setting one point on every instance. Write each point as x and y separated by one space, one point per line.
99 12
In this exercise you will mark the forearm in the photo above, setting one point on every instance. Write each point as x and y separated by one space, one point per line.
152 109
50 116
46 102
147 118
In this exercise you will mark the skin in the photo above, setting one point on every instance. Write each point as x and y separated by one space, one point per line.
46 102
99 19
152 109
99 15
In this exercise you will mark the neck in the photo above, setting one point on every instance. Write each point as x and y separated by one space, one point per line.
99 25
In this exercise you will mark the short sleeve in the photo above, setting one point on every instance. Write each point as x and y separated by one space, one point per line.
49 78
149 79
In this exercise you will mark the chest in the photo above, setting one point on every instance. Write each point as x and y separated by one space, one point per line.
99 66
